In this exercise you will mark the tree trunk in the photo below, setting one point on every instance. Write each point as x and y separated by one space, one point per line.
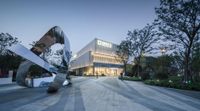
138 67
186 67
125 68
186 70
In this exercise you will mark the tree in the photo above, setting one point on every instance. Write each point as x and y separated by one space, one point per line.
196 63
6 40
135 69
36 71
179 21
129 70
8 60
142 41
123 52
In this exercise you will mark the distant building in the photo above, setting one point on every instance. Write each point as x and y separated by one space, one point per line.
97 58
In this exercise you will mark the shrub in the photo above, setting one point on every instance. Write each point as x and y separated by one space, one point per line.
145 76
151 82
164 83
103 75
174 83
130 78
175 78
36 71
161 75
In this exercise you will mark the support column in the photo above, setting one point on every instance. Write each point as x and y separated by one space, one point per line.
93 69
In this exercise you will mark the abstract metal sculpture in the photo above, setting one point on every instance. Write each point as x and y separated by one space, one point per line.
53 36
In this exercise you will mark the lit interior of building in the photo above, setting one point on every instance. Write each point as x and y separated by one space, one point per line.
97 58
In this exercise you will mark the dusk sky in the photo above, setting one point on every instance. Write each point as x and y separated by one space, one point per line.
81 20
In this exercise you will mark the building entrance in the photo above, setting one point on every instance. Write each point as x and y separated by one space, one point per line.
107 71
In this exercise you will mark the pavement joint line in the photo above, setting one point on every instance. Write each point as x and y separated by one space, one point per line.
99 94
165 97
141 99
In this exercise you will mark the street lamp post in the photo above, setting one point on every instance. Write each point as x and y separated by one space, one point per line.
163 51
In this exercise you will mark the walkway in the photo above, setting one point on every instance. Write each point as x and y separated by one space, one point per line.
102 94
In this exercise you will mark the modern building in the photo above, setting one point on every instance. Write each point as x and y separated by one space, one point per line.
97 58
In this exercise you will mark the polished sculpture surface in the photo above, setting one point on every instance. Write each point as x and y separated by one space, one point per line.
53 36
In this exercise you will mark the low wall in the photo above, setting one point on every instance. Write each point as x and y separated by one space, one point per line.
41 82
6 80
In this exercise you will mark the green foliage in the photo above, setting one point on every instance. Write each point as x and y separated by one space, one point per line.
163 63
175 79
179 22
145 75
135 69
123 52
8 60
36 71
174 82
6 40
141 42
147 61
196 64
161 75
129 68
130 78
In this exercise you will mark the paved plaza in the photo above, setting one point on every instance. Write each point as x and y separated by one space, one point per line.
102 94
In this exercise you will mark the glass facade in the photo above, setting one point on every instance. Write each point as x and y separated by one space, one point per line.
97 58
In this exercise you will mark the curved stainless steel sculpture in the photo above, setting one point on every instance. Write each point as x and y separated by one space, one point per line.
53 36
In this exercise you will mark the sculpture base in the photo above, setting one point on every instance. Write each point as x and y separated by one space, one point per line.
52 89
57 83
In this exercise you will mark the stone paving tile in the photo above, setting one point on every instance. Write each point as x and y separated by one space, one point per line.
102 94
